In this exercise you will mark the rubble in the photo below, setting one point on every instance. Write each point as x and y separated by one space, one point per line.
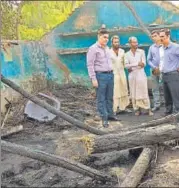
61 135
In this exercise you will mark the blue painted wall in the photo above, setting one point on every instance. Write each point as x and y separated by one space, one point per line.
115 14
112 14
86 41
88 17
10 68
34 61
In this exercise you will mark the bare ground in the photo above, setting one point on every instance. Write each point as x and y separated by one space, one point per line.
60 137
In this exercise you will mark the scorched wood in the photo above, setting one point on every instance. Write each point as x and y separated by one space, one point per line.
131 139
138 170
51 109
54 160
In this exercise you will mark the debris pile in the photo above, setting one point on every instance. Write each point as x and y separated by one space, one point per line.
101 154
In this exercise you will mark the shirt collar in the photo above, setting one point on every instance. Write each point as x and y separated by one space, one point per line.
137 50
99 45
169 45
113 49
157 45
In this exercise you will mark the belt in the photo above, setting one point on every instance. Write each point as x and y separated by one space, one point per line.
104 72
172 72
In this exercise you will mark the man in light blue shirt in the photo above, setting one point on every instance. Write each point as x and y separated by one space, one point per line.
170 72
153 59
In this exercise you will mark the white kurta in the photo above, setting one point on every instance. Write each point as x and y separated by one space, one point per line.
137 79
121 98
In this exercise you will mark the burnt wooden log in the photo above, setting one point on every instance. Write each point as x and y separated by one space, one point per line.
51 109
55 160
131 139
11 130
138 170
101 159
166 119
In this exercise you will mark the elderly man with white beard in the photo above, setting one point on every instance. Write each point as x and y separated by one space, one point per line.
135 60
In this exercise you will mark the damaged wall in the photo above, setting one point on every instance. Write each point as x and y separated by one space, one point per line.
35 57
92 15
21 62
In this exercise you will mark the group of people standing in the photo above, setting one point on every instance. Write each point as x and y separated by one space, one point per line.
106 68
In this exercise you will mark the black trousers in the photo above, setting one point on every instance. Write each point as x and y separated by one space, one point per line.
171 91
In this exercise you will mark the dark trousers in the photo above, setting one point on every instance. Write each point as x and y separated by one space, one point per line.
171 91
104 94
156 90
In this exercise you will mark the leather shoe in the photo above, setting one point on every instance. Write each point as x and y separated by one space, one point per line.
113 118
155 108
105 124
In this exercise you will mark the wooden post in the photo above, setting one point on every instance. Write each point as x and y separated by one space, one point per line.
51 109
101 159
55 160
138 170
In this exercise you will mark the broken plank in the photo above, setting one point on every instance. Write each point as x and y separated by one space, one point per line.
54 160
138 170
11 130
51 109
130 139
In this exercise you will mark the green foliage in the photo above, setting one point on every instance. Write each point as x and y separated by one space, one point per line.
40 17
8 22
30 20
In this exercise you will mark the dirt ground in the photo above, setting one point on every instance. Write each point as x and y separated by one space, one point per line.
61 138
